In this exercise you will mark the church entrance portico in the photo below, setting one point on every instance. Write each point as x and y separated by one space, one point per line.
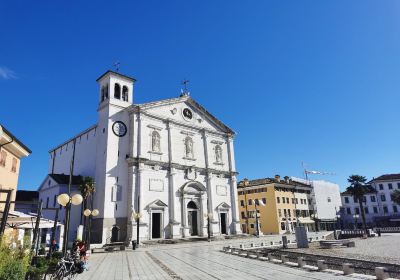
193 201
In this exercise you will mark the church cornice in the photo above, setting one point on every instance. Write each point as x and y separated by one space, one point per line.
137 161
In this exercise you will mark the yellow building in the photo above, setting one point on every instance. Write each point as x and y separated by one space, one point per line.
281 205
11 152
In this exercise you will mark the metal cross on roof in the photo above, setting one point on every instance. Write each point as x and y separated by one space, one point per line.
185 82
117 65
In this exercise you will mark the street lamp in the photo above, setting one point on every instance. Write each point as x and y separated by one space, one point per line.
89 213
136 217
209 217
66 201
355 216
339 221
315 218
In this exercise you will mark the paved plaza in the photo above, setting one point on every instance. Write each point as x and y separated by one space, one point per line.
384 249
197 260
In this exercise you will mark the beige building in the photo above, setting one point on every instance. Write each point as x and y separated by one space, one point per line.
11 152
281 205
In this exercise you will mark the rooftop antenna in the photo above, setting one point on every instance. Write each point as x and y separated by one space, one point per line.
117 65
185 91
307 171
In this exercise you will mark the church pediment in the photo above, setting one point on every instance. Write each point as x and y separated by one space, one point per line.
223 206
157 204
186 110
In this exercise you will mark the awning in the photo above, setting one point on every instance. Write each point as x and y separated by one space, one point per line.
305 221
19 220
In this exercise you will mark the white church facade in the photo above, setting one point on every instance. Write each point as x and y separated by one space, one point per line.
171 161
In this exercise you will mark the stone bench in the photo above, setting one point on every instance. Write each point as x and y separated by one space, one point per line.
328 244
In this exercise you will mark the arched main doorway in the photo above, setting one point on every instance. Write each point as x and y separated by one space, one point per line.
193 218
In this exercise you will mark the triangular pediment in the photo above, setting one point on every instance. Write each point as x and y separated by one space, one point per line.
223 205
173 109
156 204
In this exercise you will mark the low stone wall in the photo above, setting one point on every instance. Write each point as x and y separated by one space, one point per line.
275 253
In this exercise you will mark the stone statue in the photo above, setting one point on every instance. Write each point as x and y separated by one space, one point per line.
218 153
155 142
189 147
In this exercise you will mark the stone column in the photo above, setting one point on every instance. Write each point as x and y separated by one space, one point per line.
210 205
233 187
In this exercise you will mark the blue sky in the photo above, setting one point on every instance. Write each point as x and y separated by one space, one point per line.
300 81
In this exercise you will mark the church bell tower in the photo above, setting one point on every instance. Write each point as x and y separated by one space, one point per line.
115 88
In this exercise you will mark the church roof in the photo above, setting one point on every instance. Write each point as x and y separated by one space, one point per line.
117 74
63 179
192 102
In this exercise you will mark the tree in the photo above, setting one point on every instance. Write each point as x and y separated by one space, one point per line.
87 187
358 189
396 196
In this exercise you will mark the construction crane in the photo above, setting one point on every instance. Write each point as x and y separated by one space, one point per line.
307 171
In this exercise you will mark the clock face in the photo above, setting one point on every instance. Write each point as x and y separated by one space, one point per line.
187 113
119 128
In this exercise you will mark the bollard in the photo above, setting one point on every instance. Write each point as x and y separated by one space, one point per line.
348 268
301 262
381 273
284 258
321 265
270 257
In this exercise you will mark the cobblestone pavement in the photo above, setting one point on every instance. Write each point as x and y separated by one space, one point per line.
385 249
199 260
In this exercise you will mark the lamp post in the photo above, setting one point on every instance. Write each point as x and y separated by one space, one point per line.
355 216
339 221
89 213
66 201
136 217
209 217
315 218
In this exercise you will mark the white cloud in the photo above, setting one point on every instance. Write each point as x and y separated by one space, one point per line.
6 73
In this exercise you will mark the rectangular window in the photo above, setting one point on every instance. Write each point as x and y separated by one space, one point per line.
364 199
47 202
250 202
385 209
3 157
381 187
398 186
287 200
394 208
375 209
280 212
252 225
366 210
243 215
297 201
346 200
293 201
383 197
278 200
373 198
289 213
283 200
329 199
348 211
116 193
14 165
357 210
390 186
242 203
284 212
